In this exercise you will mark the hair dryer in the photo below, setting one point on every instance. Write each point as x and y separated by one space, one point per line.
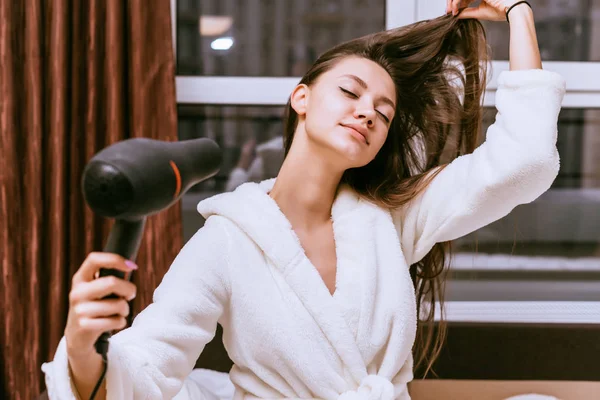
135 178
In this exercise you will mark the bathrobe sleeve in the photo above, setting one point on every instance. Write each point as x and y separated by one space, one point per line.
515 165
152 358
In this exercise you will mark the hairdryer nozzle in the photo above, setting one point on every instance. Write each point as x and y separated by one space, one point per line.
107 190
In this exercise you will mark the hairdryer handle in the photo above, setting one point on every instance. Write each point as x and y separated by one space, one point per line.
124 239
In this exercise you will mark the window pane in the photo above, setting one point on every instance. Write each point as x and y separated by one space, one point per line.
568 30
546 250
232 127
549 249
267 37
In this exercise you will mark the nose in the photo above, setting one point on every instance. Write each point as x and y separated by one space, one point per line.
366 114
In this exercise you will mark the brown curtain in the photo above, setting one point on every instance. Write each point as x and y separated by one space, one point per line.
75 76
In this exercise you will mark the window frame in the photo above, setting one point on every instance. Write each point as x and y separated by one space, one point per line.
262 91
583 85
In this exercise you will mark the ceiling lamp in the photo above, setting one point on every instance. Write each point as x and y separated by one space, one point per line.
214 25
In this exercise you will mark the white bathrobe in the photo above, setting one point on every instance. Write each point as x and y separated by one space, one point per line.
287 335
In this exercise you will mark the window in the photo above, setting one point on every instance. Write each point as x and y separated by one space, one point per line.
545 251
267 37
549 249
568 30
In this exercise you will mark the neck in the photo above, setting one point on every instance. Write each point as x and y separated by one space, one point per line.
306 186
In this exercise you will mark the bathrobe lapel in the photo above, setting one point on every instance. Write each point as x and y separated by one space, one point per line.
273 233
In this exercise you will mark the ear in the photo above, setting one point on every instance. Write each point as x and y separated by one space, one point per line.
299 99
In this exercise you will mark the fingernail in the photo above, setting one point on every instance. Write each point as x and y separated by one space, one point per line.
131 264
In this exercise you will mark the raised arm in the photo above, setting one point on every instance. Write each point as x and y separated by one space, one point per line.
515 165
524 51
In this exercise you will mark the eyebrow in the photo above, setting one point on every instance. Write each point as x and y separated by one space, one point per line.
364 85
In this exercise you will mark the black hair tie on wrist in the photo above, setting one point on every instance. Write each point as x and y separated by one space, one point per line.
513 6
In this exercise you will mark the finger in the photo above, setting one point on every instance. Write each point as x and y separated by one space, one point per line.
470 13
461 5
455 5
95 261
448 6
102 324
102 309
102 287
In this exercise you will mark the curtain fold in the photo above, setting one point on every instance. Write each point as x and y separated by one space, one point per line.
75 77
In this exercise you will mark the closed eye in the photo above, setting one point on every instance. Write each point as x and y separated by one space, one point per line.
349 93
354 96
387 120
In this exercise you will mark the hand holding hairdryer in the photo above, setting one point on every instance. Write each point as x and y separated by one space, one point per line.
128 181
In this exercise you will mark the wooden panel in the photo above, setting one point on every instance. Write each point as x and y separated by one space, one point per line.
214 355
496 390
520 352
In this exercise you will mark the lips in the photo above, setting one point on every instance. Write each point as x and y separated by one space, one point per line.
359 129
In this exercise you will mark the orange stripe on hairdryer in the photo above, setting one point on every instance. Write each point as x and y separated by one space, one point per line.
177 178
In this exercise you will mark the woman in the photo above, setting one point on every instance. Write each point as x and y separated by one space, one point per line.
310 273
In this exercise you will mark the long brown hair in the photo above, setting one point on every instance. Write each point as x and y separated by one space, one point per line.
439 69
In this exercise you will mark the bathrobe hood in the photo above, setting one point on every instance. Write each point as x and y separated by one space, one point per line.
258 215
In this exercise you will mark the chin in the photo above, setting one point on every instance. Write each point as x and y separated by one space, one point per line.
343 150
352 154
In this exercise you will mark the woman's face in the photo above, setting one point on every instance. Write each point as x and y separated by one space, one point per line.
348 110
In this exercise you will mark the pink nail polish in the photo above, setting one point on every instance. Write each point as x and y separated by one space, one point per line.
131 264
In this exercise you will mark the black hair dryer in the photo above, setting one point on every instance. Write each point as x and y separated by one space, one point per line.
135 178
